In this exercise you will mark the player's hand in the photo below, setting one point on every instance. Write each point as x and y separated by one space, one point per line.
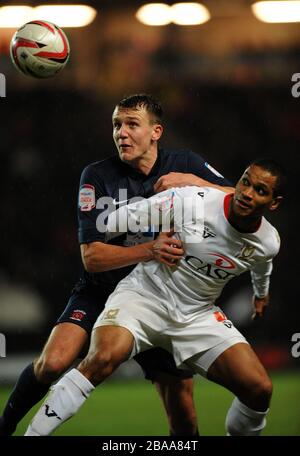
260 305
167 249
177 180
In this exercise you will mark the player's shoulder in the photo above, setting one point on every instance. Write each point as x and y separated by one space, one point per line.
174 151
205 192
102 168
269 237
100 165
196 159
180 153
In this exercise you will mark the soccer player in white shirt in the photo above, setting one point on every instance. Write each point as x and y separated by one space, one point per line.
174 307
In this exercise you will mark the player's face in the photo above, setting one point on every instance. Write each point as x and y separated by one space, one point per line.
255 193
134 132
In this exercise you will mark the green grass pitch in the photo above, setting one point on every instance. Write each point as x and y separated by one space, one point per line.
134 408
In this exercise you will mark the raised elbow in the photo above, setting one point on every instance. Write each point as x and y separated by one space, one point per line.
89 265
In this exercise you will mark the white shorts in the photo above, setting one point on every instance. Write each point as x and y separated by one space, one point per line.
194 344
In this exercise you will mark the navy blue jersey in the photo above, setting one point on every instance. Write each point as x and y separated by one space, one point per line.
119 181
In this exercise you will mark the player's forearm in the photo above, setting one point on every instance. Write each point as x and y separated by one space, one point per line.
224 189
104 257
202 182
260 285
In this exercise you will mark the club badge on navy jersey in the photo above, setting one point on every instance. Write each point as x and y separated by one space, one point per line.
87 199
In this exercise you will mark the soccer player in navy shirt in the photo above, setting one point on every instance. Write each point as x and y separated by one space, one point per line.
141 169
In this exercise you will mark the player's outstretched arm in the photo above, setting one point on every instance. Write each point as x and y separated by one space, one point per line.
98 257
182 179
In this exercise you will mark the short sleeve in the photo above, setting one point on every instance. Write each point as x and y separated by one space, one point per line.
90 190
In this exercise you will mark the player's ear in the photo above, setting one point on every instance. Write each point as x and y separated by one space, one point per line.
275 203
157 132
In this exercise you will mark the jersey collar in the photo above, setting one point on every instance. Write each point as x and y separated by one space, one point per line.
136 174
156 164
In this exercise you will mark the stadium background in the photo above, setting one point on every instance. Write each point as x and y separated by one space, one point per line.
226 89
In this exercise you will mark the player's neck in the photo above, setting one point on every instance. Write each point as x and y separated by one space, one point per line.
245 224
145 163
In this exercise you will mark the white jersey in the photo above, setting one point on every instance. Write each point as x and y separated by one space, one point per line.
215 252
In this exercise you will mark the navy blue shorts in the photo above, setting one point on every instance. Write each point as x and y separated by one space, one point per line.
87 302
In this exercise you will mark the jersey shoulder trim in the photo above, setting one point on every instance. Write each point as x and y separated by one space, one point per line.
213 170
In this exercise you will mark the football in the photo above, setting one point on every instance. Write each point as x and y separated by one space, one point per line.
39 49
